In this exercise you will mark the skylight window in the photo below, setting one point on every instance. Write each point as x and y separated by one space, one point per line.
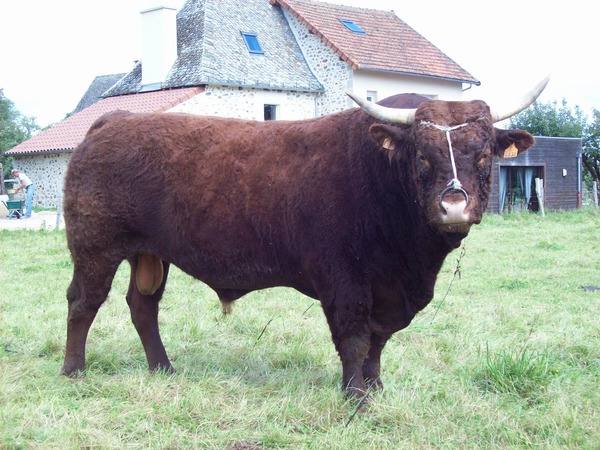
252 43
352 26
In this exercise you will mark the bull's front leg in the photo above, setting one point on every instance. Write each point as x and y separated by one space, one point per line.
353 351
348 317
372 365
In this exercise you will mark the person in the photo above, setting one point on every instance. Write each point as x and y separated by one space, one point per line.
25 184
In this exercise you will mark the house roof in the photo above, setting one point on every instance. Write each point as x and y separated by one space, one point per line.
66 135
94 92
212 50
388 44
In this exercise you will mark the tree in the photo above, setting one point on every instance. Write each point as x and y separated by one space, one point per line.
551 120
591 148
14 129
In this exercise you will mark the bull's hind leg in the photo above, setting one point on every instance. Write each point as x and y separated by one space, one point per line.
88 290
146 287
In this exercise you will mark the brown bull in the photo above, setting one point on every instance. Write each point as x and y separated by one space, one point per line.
357 210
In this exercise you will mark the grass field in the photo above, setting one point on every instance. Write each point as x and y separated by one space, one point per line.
506 356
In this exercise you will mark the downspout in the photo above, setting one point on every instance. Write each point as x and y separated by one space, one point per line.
579 181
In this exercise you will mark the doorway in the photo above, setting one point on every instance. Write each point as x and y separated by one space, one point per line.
517 188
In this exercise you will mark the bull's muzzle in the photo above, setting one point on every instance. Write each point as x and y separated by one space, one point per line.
454 216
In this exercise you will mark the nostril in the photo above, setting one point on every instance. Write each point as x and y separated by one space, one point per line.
453 196
454 212
453 202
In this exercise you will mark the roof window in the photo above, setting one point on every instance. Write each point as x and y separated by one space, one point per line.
252 43
352 26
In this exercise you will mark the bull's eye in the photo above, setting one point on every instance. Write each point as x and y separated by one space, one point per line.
423 162
484 161
484 167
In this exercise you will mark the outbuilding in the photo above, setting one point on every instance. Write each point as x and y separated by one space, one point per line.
549 172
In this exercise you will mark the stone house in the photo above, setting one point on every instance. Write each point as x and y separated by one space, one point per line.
251 59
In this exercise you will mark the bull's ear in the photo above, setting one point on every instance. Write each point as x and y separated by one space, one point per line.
388 138
511 143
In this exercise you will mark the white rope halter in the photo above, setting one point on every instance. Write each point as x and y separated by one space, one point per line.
454 184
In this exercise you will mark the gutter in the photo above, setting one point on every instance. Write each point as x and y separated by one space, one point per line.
413 74
40 152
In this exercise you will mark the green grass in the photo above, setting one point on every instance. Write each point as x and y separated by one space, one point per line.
506 356
524 374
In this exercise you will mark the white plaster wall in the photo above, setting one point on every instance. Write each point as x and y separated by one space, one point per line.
47 172
387 84
224 101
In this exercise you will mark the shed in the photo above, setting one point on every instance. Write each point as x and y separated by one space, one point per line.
555 160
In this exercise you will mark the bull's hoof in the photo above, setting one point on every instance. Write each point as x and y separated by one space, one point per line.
355 393
71 372
359 401
160 368
374 384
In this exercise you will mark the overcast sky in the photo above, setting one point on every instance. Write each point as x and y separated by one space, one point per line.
50 51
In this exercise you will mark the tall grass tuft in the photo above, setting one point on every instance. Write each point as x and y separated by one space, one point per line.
523 373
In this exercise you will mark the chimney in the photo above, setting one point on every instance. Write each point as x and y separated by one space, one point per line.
159 42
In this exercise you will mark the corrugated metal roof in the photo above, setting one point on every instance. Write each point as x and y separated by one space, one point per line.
66 135
388 43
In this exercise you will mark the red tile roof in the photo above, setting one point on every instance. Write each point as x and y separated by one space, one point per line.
66 135
388 45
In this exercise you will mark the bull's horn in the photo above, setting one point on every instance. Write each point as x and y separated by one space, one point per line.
394 115
407 116
504 112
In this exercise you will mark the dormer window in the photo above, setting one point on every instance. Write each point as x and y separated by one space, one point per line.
352 26
251 40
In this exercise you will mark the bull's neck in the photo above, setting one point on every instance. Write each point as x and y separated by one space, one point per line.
403 231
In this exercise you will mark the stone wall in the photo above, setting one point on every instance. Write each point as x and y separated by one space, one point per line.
333 73
47 172
242 103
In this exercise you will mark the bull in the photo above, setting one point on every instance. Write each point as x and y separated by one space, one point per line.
357 209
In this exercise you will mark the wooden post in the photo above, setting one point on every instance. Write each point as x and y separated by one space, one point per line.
1 180
58 212
539 188
595 193
59 204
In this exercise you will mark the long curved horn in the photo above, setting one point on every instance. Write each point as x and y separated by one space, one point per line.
394 115
502 112
407 116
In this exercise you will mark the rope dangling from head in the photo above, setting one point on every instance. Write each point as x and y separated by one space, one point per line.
454 183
